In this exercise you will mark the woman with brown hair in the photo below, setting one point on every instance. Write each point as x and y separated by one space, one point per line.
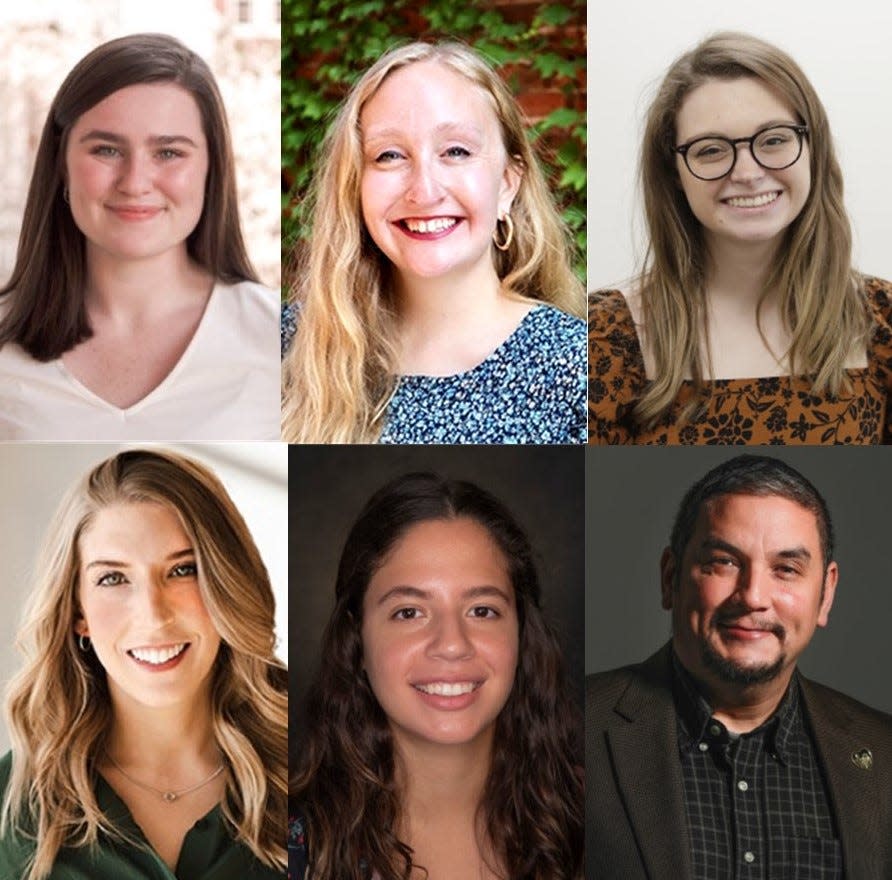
133 311
440 740
748 323
148 724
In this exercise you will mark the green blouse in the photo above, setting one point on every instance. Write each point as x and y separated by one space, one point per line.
208 853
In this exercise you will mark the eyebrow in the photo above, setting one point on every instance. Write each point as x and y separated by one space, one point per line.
159 139
443 127
718 134
798 552
117 563
407 592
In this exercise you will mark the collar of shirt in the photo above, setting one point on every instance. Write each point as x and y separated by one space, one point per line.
696 723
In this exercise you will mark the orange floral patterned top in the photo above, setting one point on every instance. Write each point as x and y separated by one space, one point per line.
778 410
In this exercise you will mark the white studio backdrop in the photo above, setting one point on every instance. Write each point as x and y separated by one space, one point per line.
34 478
843 49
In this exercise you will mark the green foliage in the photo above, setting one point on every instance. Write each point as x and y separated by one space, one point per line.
327 44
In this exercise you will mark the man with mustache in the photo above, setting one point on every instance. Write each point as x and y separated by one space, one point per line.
715 758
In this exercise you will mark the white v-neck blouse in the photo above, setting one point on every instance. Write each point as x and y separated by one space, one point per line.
226 385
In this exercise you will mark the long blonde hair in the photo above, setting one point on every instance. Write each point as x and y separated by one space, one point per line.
340 372
822 300
58 706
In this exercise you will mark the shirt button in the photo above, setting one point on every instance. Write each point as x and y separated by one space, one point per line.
749 857
714 729
743 785
704 747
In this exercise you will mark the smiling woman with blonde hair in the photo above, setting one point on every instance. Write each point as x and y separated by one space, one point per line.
436 300
148 724
748 323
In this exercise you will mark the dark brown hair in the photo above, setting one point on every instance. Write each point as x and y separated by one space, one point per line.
46 313
345 787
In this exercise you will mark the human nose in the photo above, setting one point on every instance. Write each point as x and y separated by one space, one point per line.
154 603
745 166
135 177
450 639
753 587
424 185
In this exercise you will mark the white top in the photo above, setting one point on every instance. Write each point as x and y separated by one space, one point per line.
226 386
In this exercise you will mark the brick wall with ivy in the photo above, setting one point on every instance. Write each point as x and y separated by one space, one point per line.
538 47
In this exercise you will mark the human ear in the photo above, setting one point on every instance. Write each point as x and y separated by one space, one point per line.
831 577
510 184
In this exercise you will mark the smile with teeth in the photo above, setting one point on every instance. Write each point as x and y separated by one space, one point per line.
157 656
448 688
434 224
752 201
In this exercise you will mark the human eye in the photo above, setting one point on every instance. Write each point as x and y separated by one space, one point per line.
168 153
709 150
774 138
408 613
457 152
385 157
721 563
485 612
184 570
105 151
111 579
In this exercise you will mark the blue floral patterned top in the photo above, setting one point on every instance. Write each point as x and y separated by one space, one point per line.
531 389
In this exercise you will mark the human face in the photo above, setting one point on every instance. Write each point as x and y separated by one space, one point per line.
749 590
440 634
142 608
136 165
752 203
435 174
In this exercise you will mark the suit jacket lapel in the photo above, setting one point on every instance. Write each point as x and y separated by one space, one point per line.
851 789
645 755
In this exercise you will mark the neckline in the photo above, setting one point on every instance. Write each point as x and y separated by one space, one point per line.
506 343
168 380
787 378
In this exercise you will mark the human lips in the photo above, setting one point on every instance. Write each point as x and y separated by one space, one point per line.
758 200
747 630
158 656
427 227
447 688
135 212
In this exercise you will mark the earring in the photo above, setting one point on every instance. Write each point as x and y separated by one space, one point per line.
83 642
509 235
65 195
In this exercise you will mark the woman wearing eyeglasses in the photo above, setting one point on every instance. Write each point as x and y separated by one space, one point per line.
748 324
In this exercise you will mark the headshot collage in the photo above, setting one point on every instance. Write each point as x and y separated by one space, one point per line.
373 377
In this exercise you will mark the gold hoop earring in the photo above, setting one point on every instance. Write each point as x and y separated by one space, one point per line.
509 235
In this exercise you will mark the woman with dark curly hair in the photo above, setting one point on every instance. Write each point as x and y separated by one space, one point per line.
441 740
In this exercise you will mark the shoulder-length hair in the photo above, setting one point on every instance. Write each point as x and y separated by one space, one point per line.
59 708
822 300
345 784
340 373
46 313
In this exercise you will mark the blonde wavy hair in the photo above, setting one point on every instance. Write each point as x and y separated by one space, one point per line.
340 372
58 706
822 298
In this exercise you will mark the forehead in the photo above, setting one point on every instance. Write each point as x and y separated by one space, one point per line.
731 107
132 526
145 108
422 96
442 554
757 522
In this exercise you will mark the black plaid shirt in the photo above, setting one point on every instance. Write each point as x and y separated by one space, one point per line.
756 803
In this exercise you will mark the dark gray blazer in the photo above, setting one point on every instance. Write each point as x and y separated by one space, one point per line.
634 803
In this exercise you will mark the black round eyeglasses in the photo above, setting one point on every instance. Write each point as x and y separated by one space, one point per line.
775 147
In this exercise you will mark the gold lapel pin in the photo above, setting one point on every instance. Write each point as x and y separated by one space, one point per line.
863 759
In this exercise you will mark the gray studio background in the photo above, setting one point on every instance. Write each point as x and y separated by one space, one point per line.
632 495
328 485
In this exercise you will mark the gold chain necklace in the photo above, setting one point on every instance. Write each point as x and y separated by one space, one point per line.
171 795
